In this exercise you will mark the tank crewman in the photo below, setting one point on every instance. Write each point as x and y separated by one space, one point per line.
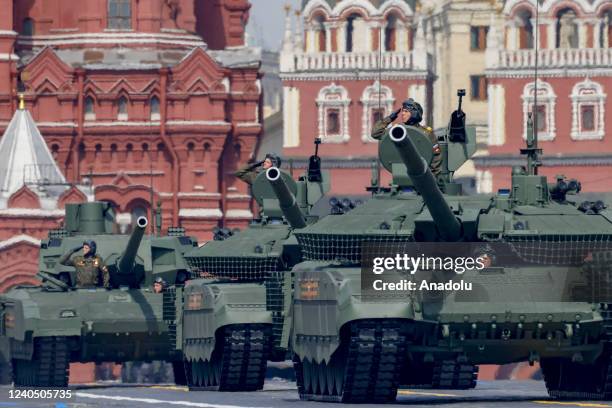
90 268
411 114
250 172
159 285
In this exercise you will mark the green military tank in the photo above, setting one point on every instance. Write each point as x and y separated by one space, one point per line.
236 310
363 346
44 328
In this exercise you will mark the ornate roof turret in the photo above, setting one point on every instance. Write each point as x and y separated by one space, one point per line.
24 155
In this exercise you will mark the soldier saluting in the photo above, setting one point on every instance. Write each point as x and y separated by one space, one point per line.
411 114
249 173
90 268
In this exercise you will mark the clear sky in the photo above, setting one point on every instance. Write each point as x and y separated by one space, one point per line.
267 22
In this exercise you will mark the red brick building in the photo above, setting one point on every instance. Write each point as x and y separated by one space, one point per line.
352 62
574 110
137 102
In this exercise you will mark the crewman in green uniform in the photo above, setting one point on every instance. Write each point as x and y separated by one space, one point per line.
249 173
90 268
411 114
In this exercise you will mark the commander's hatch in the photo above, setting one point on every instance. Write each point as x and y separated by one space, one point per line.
266 198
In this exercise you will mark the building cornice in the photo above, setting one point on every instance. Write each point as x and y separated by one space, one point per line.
112 38
354 75
549 73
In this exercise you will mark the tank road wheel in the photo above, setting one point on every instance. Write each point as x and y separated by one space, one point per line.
365 368
565 379
6 371
179 371
238 362
48 367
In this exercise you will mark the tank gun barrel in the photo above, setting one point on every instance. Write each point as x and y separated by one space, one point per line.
288 203
126 262
425 183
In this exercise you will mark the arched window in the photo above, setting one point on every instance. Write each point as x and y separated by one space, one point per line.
321 35
545 112
28 27
523 20
90 113
605 34
391 33
122 108
567 29
55 150
155 108
354 32
333 103
588 110
377 103
119 14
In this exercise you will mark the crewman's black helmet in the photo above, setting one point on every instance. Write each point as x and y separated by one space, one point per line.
416 110
275 159
92 247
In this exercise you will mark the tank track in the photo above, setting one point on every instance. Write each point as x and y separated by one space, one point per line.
451 375
48 367
566 379
365 368
446 374
238 362
180 374
6 373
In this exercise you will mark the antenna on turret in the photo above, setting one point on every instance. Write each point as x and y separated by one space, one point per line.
532 151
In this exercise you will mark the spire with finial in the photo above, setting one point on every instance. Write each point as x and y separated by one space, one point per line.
299 34
420 47
288 38
24 155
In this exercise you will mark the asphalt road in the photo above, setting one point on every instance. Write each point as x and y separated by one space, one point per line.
281 393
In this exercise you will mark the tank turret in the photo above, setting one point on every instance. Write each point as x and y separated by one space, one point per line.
286 199
425 183
91 218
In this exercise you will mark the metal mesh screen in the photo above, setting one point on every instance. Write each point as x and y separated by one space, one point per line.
169 314
327 247
274 303
561 250
234 268
598 272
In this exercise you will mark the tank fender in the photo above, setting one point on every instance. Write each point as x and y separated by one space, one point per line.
210 306
328 297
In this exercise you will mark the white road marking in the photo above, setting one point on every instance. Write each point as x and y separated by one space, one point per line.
157 401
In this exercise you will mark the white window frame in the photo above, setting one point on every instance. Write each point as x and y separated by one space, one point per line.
89 116
546 97
333 97
370 101
154 116
122 117
587 93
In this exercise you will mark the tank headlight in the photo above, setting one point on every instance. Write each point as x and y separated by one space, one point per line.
67 313
309 289
9 320
194 301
